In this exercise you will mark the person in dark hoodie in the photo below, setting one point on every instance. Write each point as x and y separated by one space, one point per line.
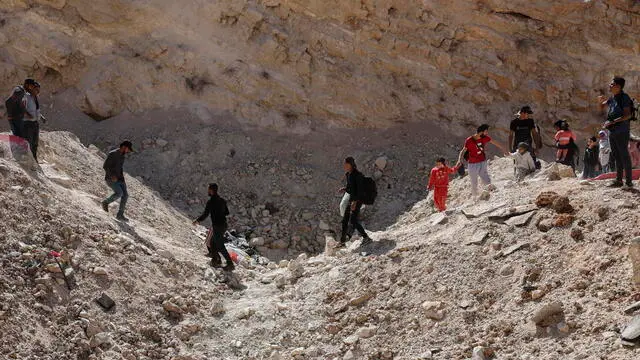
16 110
218 210
114 176
355 188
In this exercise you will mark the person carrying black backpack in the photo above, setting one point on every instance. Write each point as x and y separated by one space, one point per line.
16 110
356 187
620 112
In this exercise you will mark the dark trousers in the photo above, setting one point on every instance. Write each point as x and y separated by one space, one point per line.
31 133
620 152
16 127
353 218
216 245
119 192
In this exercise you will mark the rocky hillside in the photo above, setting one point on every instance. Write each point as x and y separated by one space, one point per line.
295 64
539 270
267 97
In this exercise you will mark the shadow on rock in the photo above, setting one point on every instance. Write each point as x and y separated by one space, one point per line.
378 247
232 280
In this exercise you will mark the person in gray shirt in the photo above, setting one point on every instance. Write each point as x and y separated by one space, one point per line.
30 125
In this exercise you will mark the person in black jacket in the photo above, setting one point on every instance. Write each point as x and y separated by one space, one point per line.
218 210
355 188
114 176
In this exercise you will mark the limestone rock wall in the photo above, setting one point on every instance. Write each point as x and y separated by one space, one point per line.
296 63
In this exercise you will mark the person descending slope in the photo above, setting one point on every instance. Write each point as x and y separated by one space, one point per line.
32 115
474 152
439 183
114 176
357 191
218 210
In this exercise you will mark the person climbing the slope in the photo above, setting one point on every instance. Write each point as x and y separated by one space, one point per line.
114 176
523 129
590 162
356 190
218 210
439 183
523 162
619 115
474 151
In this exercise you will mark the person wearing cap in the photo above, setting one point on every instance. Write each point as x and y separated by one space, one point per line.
218 210
523 130
16 110
619 115
30 125
114 176
523 161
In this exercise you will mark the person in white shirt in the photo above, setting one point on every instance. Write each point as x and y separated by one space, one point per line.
524 164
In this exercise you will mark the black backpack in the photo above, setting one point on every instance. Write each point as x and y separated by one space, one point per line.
370 191
13 104
635 107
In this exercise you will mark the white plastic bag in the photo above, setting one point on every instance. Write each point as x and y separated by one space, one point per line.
344 203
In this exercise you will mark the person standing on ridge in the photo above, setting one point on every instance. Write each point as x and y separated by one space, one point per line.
114 176
30 125
439 183
474 152
523 130
218 210
355 188
591 162
16 110
619 114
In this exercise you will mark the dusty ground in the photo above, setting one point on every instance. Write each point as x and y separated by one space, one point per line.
421 290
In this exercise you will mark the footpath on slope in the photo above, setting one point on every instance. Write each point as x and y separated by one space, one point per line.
518 276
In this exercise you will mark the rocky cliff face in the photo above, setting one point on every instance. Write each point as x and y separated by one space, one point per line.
291 64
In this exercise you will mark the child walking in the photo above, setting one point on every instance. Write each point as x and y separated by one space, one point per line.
591 162
439 183
563 140
604 154
524 163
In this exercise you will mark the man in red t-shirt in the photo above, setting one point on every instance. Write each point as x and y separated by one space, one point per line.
474 148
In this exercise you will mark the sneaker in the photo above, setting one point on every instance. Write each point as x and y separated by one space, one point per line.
122 218
105 206
627 186
229 267
615 184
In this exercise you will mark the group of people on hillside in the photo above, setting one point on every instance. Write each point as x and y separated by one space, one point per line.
24 114
610 147
611 150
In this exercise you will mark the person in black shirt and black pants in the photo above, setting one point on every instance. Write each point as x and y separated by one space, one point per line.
217 208
355 188
523 130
